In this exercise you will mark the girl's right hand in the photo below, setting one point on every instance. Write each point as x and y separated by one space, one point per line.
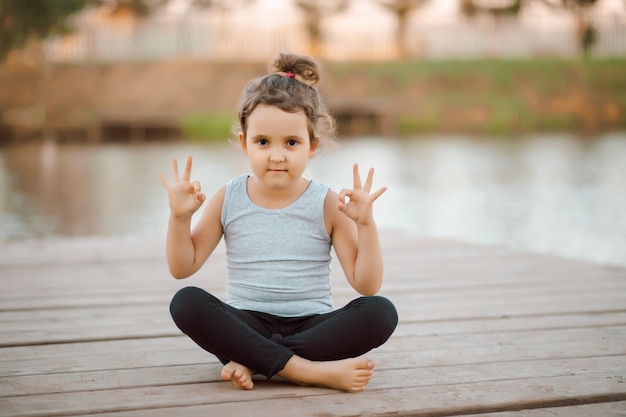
184 196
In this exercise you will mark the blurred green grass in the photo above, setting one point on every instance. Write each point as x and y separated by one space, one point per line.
498 97
207 127
485 97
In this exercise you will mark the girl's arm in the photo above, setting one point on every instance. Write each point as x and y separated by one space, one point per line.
355 235
188 250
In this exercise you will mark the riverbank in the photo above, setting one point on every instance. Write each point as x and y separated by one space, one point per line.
197 99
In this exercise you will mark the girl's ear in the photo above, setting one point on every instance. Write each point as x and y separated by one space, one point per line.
314 144
242 142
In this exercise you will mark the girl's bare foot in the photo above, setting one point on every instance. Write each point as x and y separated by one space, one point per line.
239 375
351 375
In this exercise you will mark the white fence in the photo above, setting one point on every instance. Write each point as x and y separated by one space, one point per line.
216 37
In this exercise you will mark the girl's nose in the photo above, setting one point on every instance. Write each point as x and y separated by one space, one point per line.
277 157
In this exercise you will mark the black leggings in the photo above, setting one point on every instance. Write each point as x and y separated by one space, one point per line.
265 342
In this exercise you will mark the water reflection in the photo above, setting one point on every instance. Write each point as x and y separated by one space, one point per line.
551 194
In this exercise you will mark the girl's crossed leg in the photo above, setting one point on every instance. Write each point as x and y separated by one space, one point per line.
317 350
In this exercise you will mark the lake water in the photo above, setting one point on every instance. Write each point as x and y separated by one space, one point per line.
551 194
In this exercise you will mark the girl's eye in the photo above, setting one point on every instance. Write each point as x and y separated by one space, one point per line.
262 142
292 142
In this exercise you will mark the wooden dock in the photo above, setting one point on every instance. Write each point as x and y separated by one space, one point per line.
85 331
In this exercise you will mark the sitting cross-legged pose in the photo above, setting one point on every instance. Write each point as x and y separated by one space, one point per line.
279 226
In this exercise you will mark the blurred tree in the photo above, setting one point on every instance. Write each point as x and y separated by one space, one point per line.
138 8
22 20
402 10
221 4
586 34
314 12
496 8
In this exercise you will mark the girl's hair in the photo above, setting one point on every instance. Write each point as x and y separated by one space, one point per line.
290 86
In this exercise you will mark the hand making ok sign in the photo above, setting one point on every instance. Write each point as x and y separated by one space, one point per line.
357 203
184 196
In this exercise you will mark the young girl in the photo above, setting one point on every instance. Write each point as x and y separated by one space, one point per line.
279 227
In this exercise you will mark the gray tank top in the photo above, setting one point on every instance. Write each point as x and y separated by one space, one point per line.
278 260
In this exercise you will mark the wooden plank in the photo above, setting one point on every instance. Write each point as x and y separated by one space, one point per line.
54 285
131 377
411 328
608 409
101 323
411 352
447 260
84 294
100 275
115 360
286 400
94 278
55 251
384 378
444 357
148 329
57 302
451 305
159 325
511 324
74 350
422 306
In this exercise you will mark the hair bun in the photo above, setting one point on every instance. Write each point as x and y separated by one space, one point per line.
305 67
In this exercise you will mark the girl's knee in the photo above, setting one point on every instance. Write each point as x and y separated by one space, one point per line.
378 318
380 314
184 304
385 309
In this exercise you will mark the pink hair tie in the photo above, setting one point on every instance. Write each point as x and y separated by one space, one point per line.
290 75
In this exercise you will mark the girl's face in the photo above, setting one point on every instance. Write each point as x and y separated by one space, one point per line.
278 145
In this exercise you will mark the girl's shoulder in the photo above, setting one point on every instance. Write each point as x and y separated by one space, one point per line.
333 218
236 185
209 227
238 181
216 201
318 188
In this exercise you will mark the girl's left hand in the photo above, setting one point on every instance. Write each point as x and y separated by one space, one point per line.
357 203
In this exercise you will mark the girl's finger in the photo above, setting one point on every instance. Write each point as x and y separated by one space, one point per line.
356 182
369 180
175 170
187 175
343 194
378 193
163 180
